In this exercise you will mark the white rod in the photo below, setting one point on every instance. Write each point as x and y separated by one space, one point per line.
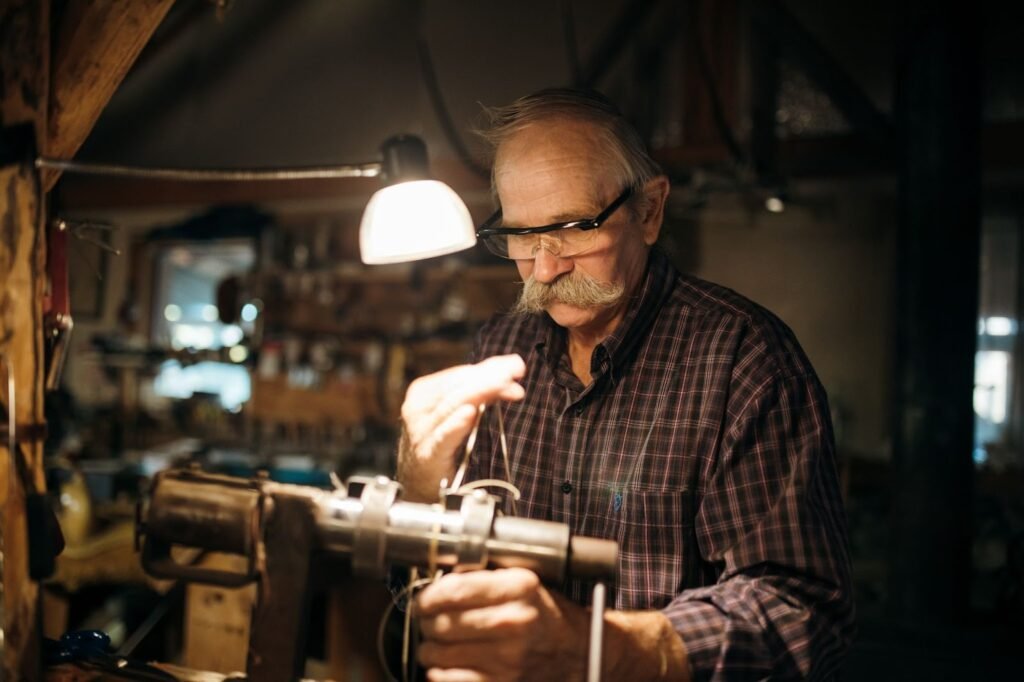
596 634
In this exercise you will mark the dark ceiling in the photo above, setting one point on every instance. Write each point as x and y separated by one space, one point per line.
305 82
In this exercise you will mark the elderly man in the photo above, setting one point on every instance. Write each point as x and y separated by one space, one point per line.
641 405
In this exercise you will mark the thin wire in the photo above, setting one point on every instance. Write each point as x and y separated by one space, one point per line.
504 456
11 445
444 116
457 481
407 627
78 230
370 169
493 483
381 629
12 422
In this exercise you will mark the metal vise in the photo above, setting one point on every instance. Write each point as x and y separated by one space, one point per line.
278 526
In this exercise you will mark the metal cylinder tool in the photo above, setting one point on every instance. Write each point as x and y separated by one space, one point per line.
276 526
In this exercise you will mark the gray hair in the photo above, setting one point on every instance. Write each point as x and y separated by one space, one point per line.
627 154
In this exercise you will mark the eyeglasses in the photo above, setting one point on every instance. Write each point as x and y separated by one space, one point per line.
561 239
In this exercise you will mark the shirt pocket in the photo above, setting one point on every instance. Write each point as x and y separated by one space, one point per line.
654 538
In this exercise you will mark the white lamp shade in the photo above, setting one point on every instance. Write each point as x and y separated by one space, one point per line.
414 220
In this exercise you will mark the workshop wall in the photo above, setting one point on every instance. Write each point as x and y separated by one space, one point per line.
825 266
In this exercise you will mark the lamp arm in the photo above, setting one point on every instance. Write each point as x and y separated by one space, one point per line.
369 169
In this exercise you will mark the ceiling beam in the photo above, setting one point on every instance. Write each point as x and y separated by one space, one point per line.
848 155
160 87
833 156
616 39
96 44
824 70
710 86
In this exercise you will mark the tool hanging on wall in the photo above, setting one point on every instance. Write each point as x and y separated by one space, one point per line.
57 322
45 539
277 527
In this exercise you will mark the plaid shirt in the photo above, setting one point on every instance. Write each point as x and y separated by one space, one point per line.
704 447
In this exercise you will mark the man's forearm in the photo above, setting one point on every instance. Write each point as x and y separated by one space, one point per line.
642 645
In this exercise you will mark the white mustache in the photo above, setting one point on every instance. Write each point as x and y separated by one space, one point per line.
575 289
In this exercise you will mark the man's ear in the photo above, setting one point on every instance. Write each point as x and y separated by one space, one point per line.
653 208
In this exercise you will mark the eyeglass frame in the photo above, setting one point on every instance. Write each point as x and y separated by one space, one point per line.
584 224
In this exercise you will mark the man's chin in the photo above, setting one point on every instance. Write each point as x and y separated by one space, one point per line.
566 315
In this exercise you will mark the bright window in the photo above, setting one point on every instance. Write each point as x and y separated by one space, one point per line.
185 318
997 370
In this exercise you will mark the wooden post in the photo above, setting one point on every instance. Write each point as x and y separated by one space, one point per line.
22 258
939 101
98 42
24 52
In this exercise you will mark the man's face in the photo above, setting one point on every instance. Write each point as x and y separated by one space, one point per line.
555 171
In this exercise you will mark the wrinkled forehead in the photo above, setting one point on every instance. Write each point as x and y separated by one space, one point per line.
560 153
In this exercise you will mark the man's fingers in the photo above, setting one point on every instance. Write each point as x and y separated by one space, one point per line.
483 382
512 364
481 624
497 370
484 659
440 409
453 430
455 675
477 589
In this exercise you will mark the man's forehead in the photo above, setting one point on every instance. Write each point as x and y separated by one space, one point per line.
555 158
557 137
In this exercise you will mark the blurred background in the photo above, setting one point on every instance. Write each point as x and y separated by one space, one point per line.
854 167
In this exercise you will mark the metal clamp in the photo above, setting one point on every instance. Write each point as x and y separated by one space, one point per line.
370 540
477 511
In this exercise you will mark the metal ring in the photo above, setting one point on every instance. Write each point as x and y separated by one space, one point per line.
370 541
477 513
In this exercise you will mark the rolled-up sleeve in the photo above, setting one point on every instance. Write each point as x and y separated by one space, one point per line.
771 519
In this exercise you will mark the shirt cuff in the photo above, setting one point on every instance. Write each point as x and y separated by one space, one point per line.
701 626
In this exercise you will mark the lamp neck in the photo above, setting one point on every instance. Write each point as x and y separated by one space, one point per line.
404 158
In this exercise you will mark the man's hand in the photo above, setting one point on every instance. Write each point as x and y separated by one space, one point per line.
438 414
500 625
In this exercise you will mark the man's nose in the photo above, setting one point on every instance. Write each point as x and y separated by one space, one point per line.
547 267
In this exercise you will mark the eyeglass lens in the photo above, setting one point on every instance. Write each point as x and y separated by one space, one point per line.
561 243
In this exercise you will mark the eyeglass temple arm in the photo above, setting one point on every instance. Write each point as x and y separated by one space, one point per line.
586 224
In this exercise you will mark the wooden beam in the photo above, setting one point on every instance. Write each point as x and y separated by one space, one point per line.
24 64
96 44
615 41
823 69
710 77
849 154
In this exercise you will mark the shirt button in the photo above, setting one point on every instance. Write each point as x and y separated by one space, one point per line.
567 487
578 410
